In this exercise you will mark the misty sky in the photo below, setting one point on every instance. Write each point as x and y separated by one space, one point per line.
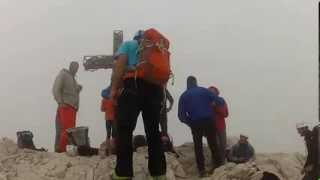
262 55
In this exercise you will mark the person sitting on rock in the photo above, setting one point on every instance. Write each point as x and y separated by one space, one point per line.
311 169
241 152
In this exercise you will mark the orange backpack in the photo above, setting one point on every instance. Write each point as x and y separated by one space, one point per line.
154 58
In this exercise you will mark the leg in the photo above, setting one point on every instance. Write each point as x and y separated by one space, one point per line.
127 114
113 129
108 127
151 117
213 144
222 138
197 134
67 116
58 132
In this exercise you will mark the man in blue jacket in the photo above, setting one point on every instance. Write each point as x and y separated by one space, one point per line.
195 110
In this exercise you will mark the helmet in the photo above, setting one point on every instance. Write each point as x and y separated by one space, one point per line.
138 35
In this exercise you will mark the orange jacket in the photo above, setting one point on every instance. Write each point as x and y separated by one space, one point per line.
107 107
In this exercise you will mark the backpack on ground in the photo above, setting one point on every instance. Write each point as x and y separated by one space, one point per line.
139 141
154 57
25 141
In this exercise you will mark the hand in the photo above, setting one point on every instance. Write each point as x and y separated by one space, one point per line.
165 138
79 88
62 105
170 107
308 168
241 159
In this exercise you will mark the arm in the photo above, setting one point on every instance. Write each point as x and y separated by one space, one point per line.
313 153
170 99
121 60
309 149
223 110
57 89
117 74
79 88
251 153
181 109
103 106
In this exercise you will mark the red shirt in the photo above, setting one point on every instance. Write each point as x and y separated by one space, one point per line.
221 112
107 107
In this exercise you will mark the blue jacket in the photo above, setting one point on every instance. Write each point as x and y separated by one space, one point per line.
196 105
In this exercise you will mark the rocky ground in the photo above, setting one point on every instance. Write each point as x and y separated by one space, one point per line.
17 164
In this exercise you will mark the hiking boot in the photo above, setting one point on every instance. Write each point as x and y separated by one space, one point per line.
211 170
163 177
203 174
114 176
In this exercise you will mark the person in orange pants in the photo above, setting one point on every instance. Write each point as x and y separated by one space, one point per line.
66 92
66 118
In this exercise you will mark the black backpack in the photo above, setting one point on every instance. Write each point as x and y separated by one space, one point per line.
25 140
139 141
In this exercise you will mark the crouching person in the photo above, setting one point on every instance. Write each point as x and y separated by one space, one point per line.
241 152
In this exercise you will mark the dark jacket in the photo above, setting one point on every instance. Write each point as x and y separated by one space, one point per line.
241 153
312 143
195 105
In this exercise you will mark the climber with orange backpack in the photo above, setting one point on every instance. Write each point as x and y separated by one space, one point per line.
142 67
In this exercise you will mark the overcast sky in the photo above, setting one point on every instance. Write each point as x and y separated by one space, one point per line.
262 55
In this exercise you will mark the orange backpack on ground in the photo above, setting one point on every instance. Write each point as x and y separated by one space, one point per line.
154 58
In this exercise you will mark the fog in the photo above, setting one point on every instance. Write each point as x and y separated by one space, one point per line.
262 55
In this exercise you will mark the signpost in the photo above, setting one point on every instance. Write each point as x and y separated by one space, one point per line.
95 62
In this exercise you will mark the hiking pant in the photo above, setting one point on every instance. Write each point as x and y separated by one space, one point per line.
313 175
139 96
222 143
164 121
111 130
198 131
65 119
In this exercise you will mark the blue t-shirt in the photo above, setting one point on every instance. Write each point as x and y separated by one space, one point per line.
129 48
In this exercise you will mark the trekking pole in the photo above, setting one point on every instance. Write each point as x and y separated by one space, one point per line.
319 63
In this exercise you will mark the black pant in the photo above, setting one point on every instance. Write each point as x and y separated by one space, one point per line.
205 129
313 175
110 127
137 96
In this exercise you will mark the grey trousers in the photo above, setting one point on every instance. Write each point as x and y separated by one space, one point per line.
222 142
58 132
